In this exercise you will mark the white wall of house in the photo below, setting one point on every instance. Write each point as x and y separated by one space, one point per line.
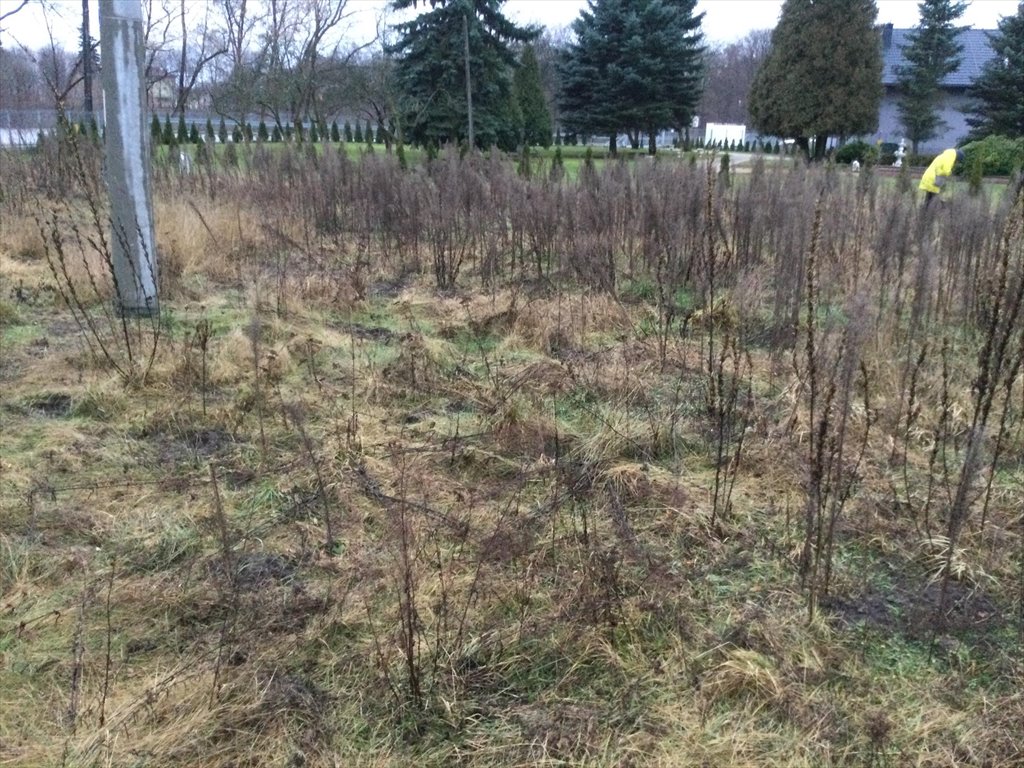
951 111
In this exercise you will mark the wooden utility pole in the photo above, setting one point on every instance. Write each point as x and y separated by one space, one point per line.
469 83
127 157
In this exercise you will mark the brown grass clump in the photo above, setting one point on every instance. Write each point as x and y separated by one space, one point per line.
213 241
521 429
232 358
20 241
551 325
419 367
745 673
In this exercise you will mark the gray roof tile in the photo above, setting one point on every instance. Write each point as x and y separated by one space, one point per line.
977 51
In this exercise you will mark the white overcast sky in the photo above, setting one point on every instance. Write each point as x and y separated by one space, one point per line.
724 20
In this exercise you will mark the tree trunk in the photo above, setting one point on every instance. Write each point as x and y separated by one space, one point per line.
613 144
652 146
183 62
805 146
87 58
820 145
469 81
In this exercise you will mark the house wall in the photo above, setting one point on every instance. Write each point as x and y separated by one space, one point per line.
951 111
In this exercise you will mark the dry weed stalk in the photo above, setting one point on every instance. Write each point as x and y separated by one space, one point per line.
831 367
998 366
127 341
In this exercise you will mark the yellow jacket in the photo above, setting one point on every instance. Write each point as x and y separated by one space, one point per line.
938 172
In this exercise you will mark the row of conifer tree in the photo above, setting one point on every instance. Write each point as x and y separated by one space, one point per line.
191 133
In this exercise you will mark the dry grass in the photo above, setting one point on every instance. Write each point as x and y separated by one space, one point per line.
392 527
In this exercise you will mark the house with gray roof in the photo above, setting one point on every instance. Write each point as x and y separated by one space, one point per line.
977 51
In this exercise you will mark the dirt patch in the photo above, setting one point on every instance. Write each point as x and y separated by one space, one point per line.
256 570
366 332
566 733
55 405
912 609
190 445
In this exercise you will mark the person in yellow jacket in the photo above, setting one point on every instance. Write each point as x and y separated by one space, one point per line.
938 173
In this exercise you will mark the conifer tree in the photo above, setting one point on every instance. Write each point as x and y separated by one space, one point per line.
168 137
222 131
999 91
261 131
823 75
335 133
182 130
358 136
348 132
931 53
155 132
432 72
533 105
276 136
635 66
193 134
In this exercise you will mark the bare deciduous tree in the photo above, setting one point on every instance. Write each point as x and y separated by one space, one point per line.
190 69
730 73
17 6
158 18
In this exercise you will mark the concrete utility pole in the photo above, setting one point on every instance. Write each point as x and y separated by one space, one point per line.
127 157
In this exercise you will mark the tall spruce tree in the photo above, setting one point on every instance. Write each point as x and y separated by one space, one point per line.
932 52
432 71
585 99
532 104
823 75
636 66
999 92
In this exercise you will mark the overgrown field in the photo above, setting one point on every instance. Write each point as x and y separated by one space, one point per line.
457 466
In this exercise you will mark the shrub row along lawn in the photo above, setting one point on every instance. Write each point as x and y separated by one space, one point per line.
458 466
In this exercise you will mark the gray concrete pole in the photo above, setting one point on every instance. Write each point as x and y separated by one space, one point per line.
127 157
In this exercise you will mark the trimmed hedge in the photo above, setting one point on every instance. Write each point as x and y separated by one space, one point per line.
997 155
861 151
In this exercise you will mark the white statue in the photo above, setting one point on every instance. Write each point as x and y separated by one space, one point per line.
901 152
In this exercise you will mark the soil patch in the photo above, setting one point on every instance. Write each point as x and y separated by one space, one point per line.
912 609
55 405
190 445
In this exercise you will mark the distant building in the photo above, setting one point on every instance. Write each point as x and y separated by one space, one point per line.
977 51
161 90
